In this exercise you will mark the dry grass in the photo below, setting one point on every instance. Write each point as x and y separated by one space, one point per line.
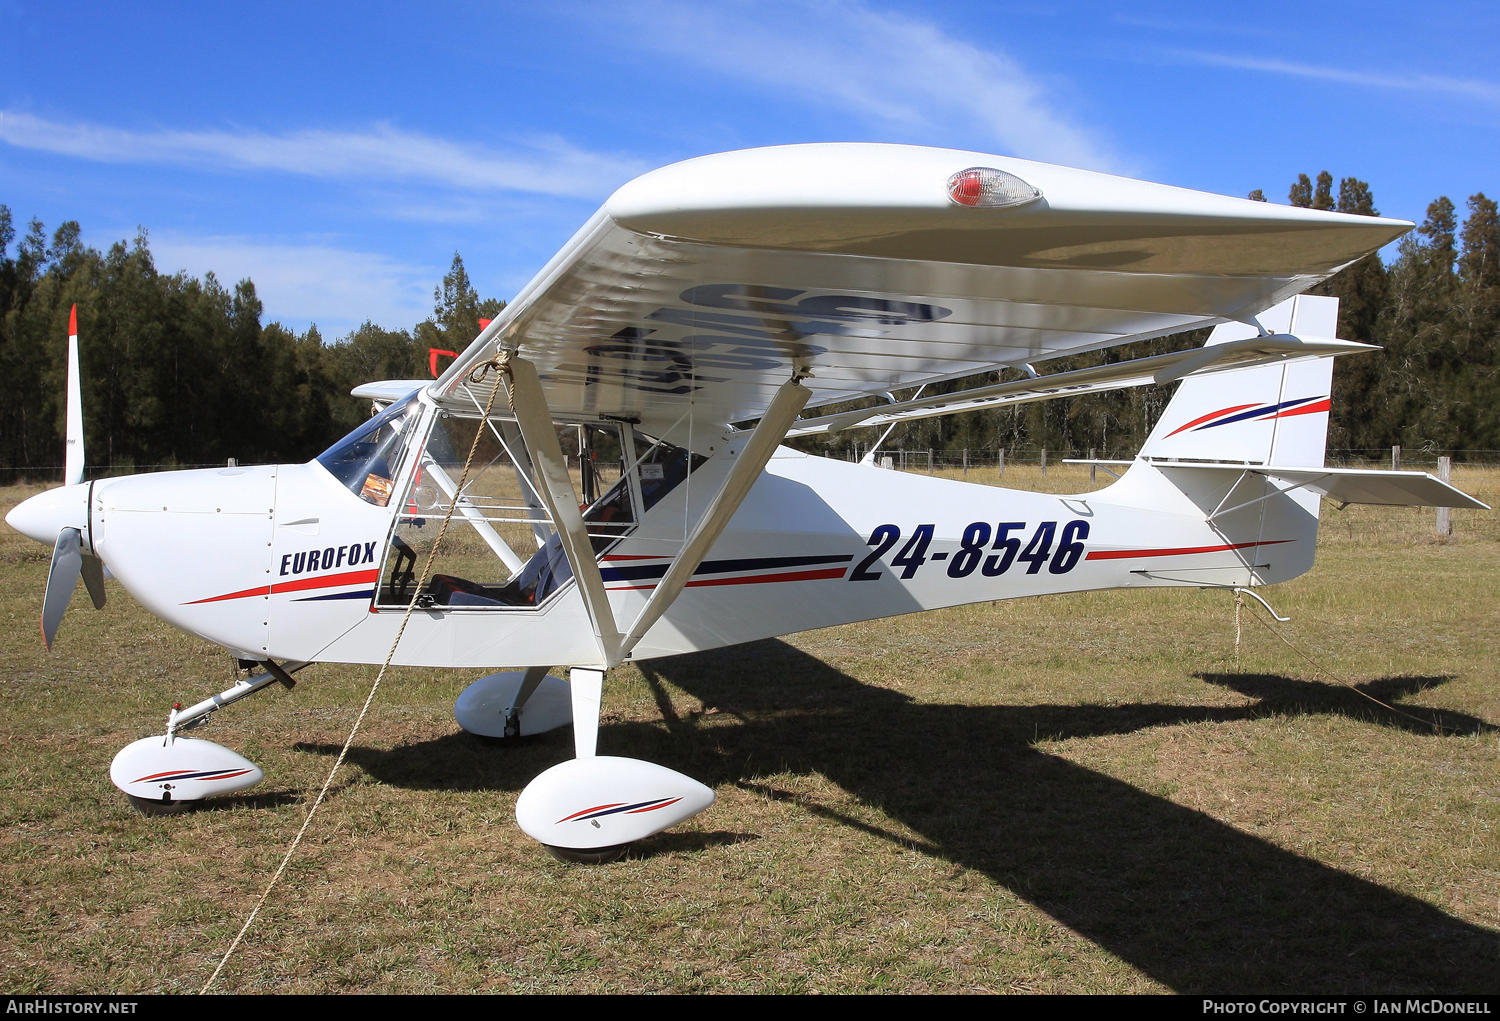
1072 794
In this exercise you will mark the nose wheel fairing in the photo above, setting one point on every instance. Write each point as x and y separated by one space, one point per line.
163 775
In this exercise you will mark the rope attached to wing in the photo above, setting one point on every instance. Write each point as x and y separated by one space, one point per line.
501 365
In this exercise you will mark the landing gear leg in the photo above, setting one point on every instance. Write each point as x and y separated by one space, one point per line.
529 684
514 703
588 696
169 774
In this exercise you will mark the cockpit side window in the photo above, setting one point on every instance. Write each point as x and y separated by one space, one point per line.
499 518
367 460
663 468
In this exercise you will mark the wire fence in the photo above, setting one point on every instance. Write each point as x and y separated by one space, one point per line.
997 459
932 461
53 473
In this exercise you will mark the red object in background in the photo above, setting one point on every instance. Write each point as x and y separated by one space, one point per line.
432 357
434 353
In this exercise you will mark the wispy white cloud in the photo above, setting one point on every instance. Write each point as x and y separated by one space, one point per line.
546 165
1207 26
1474 88
335 287
902 72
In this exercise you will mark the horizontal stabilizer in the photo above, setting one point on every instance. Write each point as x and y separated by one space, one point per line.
1372 485
388 391
1348 485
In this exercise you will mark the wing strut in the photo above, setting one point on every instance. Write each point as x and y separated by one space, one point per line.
555 487
750 462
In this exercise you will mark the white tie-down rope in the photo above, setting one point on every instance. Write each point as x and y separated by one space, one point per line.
1320 667
500 364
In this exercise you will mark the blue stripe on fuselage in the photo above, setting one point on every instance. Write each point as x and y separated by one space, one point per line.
366 594
647 571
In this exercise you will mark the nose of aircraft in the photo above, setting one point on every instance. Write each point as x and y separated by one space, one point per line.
46 514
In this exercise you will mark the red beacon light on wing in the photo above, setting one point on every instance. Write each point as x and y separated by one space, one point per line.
988 188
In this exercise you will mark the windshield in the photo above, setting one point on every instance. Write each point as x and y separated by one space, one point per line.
367 459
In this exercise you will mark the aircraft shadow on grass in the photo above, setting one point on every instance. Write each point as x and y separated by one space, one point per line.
1194 903
249 802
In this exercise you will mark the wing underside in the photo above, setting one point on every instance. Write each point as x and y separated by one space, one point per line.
692 294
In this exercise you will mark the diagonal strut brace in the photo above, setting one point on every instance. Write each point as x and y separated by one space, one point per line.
751 461
555 487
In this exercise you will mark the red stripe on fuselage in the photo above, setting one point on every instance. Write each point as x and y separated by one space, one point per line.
264 590
756 579
299 585
327 581
1126 554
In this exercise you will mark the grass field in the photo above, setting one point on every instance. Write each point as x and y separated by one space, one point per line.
1072 794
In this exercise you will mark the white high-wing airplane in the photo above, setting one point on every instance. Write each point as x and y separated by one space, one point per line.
701 317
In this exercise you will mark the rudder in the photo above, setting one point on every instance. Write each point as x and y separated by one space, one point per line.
1267 414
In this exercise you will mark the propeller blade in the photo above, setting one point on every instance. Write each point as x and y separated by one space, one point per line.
93 579
67 563
73 453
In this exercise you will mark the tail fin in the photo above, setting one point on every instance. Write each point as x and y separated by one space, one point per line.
1270 414
1244 449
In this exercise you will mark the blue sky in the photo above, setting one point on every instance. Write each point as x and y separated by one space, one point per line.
338 154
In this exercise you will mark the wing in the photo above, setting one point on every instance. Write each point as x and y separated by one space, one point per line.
698 286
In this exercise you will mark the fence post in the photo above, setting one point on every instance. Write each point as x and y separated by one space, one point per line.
1002 462
1396 458
966 464
1445 514
1044 460
1093 468
929 462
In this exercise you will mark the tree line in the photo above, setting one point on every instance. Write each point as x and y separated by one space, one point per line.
182 371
